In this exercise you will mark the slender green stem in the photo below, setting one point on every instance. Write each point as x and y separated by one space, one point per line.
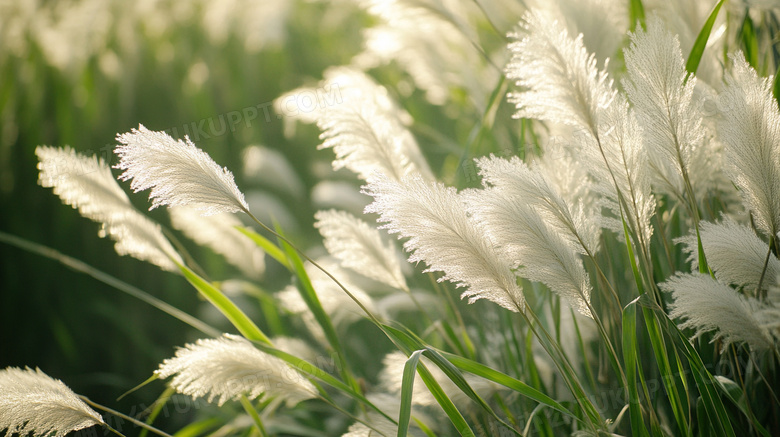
105 278
125 417
250 409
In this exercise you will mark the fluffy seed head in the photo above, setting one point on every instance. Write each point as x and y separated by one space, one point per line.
33 402
177 172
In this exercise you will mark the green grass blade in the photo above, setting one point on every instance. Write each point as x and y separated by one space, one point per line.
199 428
309 296
407 389
241 321
734 392
630 354
267 245
636 14
694 58
668 377
158 407
446 403
705 382
747 37
776 86
491 374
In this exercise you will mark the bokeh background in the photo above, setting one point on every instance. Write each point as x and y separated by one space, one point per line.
78 73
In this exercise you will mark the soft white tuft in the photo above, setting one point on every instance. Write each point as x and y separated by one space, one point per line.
708 305
362 125
86 183
444 237
219 233
735 253
538 251
561 81
33 402
177 172
227 367
666 110
514 179
750 130
360 247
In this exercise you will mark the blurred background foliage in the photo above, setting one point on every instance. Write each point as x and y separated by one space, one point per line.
79 72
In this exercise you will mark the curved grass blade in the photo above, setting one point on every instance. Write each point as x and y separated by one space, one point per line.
407 390
241 321
711 403
630 354
701 41
309 296
267 245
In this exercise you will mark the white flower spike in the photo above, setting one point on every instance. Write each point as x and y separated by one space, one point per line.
86 183
177 172
227 367
33 402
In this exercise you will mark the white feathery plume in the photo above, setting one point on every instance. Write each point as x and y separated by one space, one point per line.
750 130
560 79
603 23
360 247
514 179
562 84
391 379
177 172
538 251
735 253
708 305
227 367
219 233
432 41
670 118
86 183
33 402
618 164
442 235
365 129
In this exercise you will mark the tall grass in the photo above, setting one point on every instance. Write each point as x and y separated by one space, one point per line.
598 183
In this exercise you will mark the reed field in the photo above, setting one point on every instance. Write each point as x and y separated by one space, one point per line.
389 218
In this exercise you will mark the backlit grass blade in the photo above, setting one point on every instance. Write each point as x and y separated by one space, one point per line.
309 296
710 400
446 403
267 245
241 321
630 354
669 378
407 389
491 374
734 392
694 58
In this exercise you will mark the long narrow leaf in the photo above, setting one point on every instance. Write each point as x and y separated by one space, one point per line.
630 354
267 245
701 41
407 389
241 321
